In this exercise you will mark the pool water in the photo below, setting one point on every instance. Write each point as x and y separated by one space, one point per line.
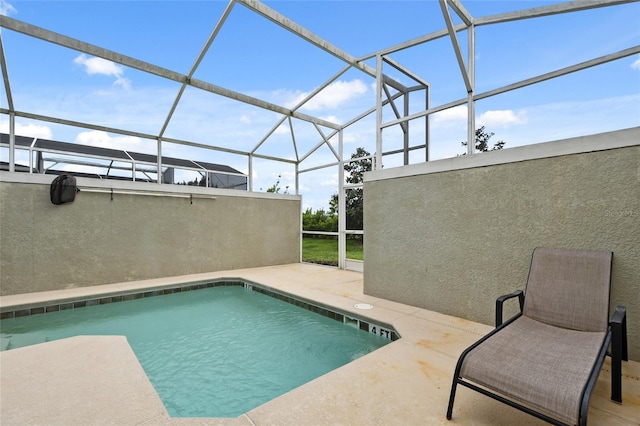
214 352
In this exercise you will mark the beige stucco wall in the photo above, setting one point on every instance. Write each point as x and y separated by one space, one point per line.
453 235
96 241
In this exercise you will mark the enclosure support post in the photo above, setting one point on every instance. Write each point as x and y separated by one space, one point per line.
427 137
377 164
342 210
12 142
159 180
406 129
471 125
250 177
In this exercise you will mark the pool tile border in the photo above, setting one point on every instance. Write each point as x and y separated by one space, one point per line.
61 305
358 321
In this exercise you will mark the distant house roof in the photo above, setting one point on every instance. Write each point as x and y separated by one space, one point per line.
45 145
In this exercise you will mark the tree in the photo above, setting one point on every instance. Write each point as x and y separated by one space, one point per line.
275 188
354 201
482 141
195 182
320 220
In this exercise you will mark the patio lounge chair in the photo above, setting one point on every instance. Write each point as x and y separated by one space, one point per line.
546 359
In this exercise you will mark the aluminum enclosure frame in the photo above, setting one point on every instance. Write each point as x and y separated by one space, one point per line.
388 90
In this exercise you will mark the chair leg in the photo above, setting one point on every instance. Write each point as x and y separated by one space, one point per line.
452 396
619 352
616 370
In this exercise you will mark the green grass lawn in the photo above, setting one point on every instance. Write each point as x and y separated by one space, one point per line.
325 250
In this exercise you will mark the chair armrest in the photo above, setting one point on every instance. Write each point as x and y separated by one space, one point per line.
500 301
619 315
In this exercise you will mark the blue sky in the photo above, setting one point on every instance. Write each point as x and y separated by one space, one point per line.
253 56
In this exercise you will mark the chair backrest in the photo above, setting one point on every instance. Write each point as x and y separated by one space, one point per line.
569 288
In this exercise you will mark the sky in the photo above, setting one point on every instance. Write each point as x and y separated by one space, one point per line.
252 55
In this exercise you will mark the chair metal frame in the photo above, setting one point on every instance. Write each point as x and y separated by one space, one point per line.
615 338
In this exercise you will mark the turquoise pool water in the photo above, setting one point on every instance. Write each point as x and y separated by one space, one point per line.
215 352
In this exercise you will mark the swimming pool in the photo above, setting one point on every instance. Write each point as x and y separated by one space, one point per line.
216 352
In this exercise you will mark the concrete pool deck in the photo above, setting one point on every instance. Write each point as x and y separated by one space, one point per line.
98 380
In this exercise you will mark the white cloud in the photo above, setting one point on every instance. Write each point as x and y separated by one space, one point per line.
125 83
493 118
98 66
501 118
450 116
93 65
332 119
31 130
331 182
6 9
333 96
104 140
282 129
636 64
353 137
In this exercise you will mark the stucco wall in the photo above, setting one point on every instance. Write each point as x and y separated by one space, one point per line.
453 235
95 240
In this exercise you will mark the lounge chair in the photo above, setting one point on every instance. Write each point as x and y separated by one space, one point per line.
546 359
